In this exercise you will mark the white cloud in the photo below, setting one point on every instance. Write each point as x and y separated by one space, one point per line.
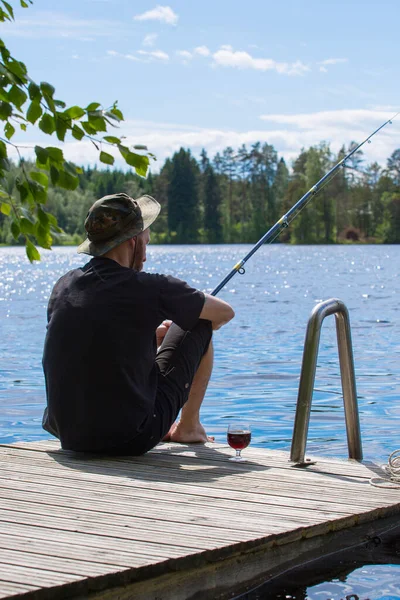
147 55
37 27
287 133
185 55
333 61
158 54
164 14
330 119
120 55
323 69
202 51
150 39
226 56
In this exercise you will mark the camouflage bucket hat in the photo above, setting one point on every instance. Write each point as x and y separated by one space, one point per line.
115 219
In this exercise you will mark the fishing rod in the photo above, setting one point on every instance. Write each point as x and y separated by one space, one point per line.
286 219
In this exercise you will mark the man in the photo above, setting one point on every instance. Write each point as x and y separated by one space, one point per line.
108 388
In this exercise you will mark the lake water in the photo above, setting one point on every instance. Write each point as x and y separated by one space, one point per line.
257 356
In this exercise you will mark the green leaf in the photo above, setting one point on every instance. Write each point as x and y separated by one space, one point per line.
5 111
31 251
43 217
5 208
55 154
9 130
61 128
24 191
15 230
27 227
106 158
3 95
93 106
24 4
88 127
18 69
116 114
34 91
42 156
77 132
22 126
67 181
38 192
43 236
9 9
60 103
75 112
4 194
34 111
99 123
17 96
3 150
111 139
139 162
70 168
40 177
53 222
54 175
47 124
47 89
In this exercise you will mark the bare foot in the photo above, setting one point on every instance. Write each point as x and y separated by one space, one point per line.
167 436
181 434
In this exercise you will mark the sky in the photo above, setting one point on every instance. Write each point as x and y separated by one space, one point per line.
220 73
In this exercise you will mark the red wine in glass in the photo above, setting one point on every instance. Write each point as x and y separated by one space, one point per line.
238 437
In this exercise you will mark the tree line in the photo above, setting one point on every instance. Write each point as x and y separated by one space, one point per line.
237 195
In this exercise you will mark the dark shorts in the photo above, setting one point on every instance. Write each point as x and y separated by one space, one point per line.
177 360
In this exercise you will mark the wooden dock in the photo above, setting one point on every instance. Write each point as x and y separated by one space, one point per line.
179 523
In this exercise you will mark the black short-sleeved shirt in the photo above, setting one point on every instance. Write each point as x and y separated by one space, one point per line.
100 349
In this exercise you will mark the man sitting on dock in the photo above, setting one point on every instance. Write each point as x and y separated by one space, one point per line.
126 350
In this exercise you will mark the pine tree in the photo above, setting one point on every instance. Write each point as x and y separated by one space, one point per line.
212 206
183 202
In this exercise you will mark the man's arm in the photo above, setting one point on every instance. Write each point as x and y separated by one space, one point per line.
217 311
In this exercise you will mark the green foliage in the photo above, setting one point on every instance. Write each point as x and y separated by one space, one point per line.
183 205
24 103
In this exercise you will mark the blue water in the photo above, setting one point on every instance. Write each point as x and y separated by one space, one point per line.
257 356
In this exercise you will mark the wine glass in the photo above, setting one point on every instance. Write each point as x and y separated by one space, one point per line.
238 437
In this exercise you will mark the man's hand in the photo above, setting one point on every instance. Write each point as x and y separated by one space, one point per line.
161 331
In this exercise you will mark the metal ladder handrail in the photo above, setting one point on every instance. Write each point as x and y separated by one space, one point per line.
307 378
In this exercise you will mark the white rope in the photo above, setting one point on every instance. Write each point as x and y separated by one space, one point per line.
392 469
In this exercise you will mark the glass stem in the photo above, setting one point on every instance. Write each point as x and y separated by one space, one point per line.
237 453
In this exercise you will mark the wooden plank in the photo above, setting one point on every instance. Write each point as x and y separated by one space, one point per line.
27 558
34 576
152 505
224 486
198 534
126 550
140 473
50 545
150 500
68 523
103 509
153 543
302 491
8 590
189 460
219 452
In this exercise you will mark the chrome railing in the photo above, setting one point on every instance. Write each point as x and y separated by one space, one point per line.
329 307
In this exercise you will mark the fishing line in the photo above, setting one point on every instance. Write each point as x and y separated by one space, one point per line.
287 218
